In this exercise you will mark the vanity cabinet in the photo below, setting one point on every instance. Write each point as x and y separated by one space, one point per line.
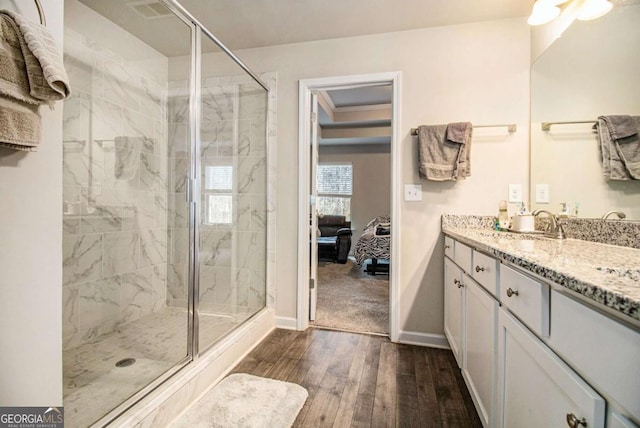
532 356
470 326
537 389
454 306
479 350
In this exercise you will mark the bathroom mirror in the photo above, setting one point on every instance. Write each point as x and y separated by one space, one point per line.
591 70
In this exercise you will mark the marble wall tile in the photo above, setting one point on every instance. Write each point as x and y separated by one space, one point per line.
258 137
179 246
76 119
178 137
82 258
121 252
243 211
216 248
177 278
251 250
161 210
209 139
103 218
218 102
226 142
252 174
179 174
253 101
122 85
179 106
159 298
153 101
140 125
258 212
153 173
153 247
70 310
178 210
244 137
136 294
98 301
106 120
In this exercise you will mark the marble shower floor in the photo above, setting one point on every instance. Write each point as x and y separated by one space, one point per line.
93 385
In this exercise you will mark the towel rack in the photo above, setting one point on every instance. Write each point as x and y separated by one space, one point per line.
546 126
510 127
43 20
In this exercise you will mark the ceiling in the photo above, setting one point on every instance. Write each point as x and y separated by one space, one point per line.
242 24
363 96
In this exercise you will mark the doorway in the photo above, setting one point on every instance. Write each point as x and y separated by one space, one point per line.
346 122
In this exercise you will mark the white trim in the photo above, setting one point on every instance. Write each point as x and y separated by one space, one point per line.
287 323
323 96
423 339
304 95
369 107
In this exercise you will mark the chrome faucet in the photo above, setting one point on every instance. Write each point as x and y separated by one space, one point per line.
620 214
555 229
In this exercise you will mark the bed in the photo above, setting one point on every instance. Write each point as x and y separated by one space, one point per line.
375 244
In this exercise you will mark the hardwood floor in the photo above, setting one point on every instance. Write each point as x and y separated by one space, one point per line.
365 381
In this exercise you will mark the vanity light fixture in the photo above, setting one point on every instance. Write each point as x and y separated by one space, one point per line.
545 11
592 9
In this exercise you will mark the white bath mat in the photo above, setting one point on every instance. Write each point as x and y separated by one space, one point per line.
243 400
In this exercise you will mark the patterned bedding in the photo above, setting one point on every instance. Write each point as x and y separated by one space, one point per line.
374 243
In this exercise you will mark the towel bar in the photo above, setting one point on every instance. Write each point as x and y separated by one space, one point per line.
546 126
510 128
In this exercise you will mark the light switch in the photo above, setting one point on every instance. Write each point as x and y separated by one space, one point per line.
413 192
515 192
542 193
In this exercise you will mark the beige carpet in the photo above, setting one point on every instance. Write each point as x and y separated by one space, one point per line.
349 299
246 401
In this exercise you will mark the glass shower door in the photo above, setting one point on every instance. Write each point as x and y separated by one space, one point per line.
126 242
233 206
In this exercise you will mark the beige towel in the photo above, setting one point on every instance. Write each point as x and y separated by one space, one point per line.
19 125
48 79
442 158
31 74
620 147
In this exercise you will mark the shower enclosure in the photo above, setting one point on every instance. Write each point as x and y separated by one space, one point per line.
165 208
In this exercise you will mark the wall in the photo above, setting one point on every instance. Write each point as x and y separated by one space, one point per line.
115 196
477 72
371 180
31 263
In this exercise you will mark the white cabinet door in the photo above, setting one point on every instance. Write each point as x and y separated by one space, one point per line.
536 387
454 308
480 349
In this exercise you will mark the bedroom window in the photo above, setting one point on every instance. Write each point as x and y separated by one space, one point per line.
334 184
218 184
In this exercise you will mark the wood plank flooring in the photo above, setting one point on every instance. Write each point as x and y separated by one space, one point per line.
357 380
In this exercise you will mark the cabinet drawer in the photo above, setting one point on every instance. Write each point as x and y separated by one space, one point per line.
462 256
484 271
526 298
603 350
448 247
539 389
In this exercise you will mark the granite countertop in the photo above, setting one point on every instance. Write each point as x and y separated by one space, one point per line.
606 274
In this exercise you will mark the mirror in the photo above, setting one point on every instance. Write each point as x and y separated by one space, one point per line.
592 70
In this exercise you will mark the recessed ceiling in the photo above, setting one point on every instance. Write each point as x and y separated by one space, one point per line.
242 24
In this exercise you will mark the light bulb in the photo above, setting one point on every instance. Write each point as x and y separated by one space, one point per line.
543 11
592 9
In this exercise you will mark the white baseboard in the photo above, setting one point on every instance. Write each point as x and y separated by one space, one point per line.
286 323
423 339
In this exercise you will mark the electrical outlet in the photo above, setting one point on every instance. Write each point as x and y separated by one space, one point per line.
542 193
515 192
413 192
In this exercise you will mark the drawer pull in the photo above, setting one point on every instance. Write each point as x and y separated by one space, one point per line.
511 292
458 283
574 422
479 269
446 247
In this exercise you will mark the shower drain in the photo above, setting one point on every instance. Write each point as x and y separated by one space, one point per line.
125 362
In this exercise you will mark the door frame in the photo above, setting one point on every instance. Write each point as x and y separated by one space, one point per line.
306 86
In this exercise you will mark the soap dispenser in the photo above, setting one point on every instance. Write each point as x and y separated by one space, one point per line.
503 215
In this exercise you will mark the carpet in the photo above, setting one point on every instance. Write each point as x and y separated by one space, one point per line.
247 401
350 299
